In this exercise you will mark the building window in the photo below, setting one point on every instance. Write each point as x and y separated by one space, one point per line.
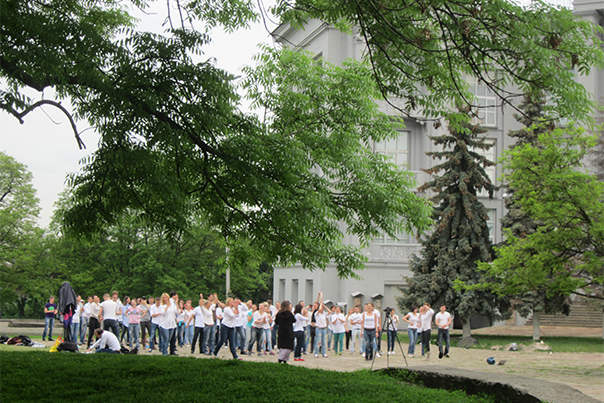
396 148
401 238
485 102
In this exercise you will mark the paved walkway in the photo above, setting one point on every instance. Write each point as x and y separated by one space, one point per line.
582 371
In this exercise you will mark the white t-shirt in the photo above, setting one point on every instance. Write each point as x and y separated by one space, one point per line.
120 308
167 319
427 320
76 315
338 326
414 319
229 318
208 318
321 320
87 312
300 323
371 320
152 311
109 310
107 340
218 315
199 316
356 317
394 324
442 319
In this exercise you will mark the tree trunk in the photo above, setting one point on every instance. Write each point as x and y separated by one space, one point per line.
536 326
467 332
21 301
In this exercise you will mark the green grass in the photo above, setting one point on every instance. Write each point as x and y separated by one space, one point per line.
36 376
558 344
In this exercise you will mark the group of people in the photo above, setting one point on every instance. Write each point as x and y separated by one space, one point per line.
213 324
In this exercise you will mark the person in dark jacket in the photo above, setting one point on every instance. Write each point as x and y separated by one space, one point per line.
285 341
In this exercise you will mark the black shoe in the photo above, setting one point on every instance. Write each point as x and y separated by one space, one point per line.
174 354
447 356
49 339
440 355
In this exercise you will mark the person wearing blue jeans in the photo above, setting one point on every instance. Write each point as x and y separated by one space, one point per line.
413 320
443 320
50 310
227 327
371 328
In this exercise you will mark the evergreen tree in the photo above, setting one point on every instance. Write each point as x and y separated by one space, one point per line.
520 224
460 236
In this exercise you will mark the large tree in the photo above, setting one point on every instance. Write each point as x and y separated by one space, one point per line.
565 255
521 224
25 271
460 235
174 142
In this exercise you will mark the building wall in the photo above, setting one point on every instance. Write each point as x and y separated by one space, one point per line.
388 263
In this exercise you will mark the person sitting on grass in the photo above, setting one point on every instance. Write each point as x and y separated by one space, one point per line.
106 342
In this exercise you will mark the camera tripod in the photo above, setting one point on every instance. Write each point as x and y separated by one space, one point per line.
387 323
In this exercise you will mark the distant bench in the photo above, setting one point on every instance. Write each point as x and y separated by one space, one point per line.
26 323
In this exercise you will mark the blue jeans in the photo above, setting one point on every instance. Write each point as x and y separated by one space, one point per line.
443 334
267 340
106 350
134 330
152 333
240 336
165 335
426 341
256 337
227 333
391 338
412 340
75 330
189 332
48 324
329 337
320 339
369 337
299 336
199 335
208 339
83 326
181 334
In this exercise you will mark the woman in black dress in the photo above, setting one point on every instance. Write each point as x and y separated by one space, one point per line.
285 342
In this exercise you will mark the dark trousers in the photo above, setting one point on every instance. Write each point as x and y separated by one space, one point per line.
111 324
443 334
299 335
348 336
198 334
145 328
173 342
227 333
93 324
312 338
426 341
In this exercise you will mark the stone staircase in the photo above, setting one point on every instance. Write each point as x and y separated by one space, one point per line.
581 315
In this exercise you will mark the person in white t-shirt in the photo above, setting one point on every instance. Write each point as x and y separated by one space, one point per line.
109 312
392 328
339 330
370 329
230 316
106 342
198 319
355 321
413 320
443 320
155 312
426 313
167 323
208 309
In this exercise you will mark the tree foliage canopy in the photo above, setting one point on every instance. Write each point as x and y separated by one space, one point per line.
460 235
565 255
174 142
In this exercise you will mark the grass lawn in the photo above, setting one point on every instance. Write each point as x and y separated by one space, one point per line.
558 344
38 376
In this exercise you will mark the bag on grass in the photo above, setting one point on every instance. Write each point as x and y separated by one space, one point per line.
3 339
58 341
27 342
71 346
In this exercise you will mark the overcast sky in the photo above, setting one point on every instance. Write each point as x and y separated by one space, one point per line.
46 143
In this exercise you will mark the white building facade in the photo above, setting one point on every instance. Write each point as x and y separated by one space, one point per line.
388 259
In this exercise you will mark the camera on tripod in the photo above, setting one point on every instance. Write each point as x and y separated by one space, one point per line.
388 311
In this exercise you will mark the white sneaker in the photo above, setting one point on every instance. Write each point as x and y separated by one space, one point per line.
393 352
363 355
411 356
377 355
316 355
